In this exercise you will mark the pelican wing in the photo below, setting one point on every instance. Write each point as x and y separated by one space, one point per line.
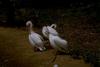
31 41
60 43
40 37
36 39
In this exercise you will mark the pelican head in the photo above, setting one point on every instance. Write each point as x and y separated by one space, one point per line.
52 31
29 23
53 26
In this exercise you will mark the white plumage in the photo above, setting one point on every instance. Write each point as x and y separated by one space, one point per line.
35 39
51 30
53 26
57 42
45 31
55 65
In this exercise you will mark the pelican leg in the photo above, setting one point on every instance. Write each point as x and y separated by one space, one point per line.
35 49
44 48
55 56
41 49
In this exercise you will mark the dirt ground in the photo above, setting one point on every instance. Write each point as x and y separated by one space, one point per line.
16 51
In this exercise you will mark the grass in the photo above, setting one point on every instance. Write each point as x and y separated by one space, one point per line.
15 51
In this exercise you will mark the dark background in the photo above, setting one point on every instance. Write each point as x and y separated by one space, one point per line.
77 20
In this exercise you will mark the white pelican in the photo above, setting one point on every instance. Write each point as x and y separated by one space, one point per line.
57 42
52 30
35 39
